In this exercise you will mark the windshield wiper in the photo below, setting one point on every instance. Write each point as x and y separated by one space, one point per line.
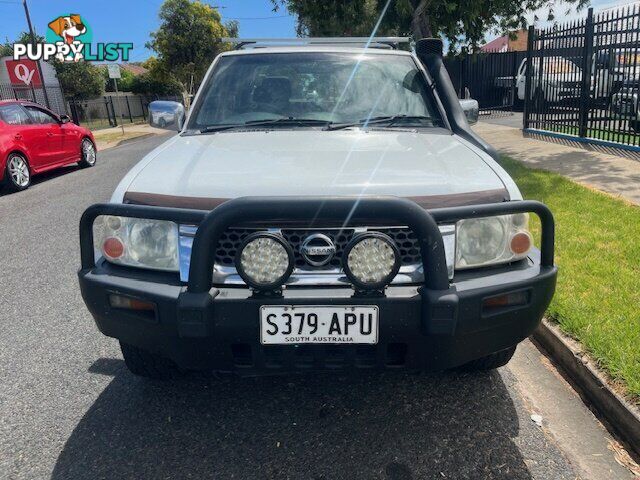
264 122
221 127
287 121
387 119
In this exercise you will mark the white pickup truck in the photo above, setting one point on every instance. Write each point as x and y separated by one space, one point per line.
561 78
560 81
324 207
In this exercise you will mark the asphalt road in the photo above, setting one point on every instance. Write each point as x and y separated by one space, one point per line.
70 410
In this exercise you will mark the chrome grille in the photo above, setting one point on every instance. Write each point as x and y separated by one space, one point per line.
330 274
403 237
229 244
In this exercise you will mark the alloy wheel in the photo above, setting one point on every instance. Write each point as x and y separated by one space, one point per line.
19 171
88 152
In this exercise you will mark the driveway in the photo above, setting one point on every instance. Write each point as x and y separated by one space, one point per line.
70 410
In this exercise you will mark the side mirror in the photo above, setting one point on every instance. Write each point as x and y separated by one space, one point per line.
166 115
65 119
471 110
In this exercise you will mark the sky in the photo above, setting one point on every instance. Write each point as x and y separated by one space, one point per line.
561 15
131 21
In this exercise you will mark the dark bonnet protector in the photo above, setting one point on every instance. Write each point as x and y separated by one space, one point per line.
427 202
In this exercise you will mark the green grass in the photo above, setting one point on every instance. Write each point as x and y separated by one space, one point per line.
597 300
603 134
116 136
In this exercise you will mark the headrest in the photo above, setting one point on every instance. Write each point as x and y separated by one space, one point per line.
269 85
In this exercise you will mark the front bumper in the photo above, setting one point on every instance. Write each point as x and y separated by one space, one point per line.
434 326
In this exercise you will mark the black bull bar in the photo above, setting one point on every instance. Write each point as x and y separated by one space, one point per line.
439 297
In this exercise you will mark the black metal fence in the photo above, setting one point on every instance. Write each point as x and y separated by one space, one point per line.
489 77
113 110
583 78
35 94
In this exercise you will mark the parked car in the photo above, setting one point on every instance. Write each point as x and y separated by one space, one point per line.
625 104
612 68
560 81
34 140
561 78
326 206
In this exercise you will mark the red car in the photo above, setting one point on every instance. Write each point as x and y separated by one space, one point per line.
33 140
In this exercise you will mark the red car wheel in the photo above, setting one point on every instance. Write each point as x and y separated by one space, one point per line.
18 175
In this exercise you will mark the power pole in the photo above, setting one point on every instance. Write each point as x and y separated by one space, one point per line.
33 42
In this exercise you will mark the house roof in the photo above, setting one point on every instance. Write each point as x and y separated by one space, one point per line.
499 44
134 69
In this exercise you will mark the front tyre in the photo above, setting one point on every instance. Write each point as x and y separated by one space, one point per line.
88 154
146 364
17 173
490 362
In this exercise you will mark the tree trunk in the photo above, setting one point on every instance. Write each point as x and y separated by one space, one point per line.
420 22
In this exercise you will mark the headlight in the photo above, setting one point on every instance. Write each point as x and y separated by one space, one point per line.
137 242
492 240
371 261
264 261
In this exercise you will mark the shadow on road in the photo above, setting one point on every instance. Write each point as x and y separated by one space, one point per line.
394 426
42 177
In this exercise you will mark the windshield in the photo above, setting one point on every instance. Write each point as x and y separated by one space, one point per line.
328 87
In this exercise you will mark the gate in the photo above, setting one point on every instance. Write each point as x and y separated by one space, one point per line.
489 77
583 78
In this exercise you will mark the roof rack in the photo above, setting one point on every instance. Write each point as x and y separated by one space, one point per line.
373 42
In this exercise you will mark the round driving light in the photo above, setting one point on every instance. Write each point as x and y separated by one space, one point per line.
520 243
264 261
371 261
113 248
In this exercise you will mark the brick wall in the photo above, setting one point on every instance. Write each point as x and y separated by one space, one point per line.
520 42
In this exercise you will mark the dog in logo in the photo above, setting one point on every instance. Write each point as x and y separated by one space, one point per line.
69 28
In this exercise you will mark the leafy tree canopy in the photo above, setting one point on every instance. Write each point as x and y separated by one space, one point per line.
459 21
81 80
156 81
6 49
189 39
124 83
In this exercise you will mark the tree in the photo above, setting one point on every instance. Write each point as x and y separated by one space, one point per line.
189 39
124 82
146 84
459 21
80 80
6 49
156 81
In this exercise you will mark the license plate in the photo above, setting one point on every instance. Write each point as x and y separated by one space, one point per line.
287 324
